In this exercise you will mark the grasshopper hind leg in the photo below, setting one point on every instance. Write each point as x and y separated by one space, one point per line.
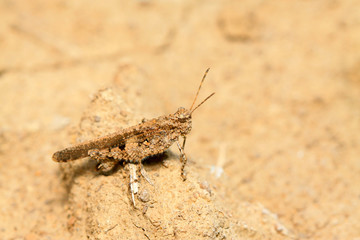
103 159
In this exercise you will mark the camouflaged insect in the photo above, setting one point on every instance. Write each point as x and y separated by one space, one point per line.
134 144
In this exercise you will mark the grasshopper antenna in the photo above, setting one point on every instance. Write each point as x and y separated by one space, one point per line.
202 80
202 102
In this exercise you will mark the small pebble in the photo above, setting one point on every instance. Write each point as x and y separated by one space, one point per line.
144 196
206 186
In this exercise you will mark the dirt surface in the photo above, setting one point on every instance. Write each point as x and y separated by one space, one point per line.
273 155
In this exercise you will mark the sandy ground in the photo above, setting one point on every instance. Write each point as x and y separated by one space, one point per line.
273 155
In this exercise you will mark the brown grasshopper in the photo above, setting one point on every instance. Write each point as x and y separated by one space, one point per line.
134 144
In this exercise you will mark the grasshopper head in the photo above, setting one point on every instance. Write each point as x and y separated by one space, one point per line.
183 119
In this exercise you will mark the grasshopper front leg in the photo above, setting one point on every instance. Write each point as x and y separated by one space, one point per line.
183 158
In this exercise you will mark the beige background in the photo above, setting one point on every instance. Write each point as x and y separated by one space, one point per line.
284 123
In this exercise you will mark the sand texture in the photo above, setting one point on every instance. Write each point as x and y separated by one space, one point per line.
274 154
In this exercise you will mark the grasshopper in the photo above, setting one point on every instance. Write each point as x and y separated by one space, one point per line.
134 144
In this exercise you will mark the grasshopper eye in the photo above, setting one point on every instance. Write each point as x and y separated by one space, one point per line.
182 114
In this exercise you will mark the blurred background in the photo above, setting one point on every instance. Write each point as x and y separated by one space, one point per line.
282 129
